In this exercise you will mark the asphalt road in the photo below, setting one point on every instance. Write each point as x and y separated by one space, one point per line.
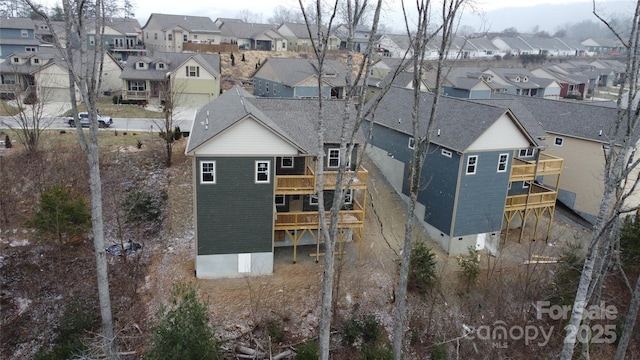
122 124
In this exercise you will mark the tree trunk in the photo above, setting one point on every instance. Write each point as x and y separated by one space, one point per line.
629 323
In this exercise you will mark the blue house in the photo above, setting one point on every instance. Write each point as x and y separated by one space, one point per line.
481 173
298 78
17 35
254 178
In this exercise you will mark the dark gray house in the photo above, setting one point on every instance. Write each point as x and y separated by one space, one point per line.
254 175
480 173
298 78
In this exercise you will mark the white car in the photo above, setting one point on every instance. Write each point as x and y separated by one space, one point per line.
103 121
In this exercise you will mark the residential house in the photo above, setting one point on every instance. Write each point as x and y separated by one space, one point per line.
466 83
46 35
360 39
618 69
550 47
17 35
382 66
393 46
298 78
404 79
522 82
299 40
45 75
168 33
581 70
122 37
578 132
192 78
572 86
255 181
482 47
513 46
479 173
253 36
603 46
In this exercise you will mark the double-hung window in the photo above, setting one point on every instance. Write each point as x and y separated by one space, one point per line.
313 199
348 197
333 158
207 172
262 172
472 164
279 200
193 71
412 143
503 160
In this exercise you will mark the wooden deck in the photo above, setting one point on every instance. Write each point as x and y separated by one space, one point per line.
540 196
523 170
310 220
306 184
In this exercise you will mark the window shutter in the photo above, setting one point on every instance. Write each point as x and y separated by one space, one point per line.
187 68
197 71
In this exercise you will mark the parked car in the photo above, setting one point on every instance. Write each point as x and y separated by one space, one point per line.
103 121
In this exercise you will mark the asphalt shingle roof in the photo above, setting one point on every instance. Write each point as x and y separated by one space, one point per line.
201 24
211 62
294 119
459 121
291 71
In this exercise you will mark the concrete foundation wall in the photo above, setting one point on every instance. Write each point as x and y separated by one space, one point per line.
226 265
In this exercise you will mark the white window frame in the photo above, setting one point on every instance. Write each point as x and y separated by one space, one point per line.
313 199
30 49
446 153
282 165
558 141
212 172
275 89
260 171
412 143
526 184
92 40
36 61
24 33
475 165
281 203
528 152
193 71
329 157
504 163
509 186
348 196
170 37
16 60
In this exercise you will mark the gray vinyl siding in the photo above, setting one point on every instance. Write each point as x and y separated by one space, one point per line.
260 87
234 215
298 167
396 145
482 195
438 187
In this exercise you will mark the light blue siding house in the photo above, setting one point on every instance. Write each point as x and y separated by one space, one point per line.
478 159
298 78
17 35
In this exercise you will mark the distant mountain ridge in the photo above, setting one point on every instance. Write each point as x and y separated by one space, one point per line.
547 17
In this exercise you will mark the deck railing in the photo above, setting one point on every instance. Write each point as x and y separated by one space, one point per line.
311 220
540 196
306 184
136 95
523 170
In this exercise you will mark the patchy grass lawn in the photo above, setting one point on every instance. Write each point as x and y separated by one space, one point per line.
7 110
107 138
107 107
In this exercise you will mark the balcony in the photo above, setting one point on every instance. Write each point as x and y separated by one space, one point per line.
539 197
310 220
523 170
306 184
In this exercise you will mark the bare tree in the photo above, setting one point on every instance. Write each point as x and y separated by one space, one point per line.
620 180
85 75
35 110
248 16
420 36
171 93
282 14
353 116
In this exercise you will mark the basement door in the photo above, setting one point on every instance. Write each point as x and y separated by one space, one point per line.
244 263
480 241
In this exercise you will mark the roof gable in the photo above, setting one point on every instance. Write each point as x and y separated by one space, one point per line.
503 134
